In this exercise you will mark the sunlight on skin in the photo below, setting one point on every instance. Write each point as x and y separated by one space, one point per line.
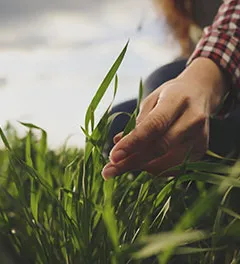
172 120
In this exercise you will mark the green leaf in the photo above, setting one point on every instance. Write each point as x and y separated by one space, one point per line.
33 195
130 125
194 250
214 155
103 87
109 214
140 95
211 178
4 139
230 212
132 121
30 125
156 244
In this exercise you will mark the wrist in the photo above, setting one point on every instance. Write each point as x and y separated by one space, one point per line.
209 78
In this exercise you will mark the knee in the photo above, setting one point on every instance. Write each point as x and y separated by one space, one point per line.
162 75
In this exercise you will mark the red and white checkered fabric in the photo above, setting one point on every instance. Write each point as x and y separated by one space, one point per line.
221 42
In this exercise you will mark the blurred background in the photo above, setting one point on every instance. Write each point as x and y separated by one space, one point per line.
55 53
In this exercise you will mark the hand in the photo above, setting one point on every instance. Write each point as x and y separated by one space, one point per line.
173 120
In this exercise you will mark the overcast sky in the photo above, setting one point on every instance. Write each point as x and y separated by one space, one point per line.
28 24
54 54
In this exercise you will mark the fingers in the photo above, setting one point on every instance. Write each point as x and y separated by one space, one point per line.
147 106
151 128
112 170
185 129
117 137
169 160
136 161
175 157
159 155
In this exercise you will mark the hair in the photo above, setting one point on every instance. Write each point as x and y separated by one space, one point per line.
179 17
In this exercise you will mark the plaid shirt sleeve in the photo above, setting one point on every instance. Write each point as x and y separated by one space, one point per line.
221 43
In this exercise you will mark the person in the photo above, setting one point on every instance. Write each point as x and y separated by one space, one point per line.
187 18
175 118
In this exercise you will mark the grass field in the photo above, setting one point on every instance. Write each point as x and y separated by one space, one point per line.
56 208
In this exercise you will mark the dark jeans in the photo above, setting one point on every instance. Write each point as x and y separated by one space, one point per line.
224 134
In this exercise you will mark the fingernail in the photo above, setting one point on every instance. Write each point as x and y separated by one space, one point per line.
109 172
116 139
118 155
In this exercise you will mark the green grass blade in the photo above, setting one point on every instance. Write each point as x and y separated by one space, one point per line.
211 178
108 214
30 125
4 139
194 250
132 121
33 195
103 87
28 154
214 155
230 212
140 96
156 244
